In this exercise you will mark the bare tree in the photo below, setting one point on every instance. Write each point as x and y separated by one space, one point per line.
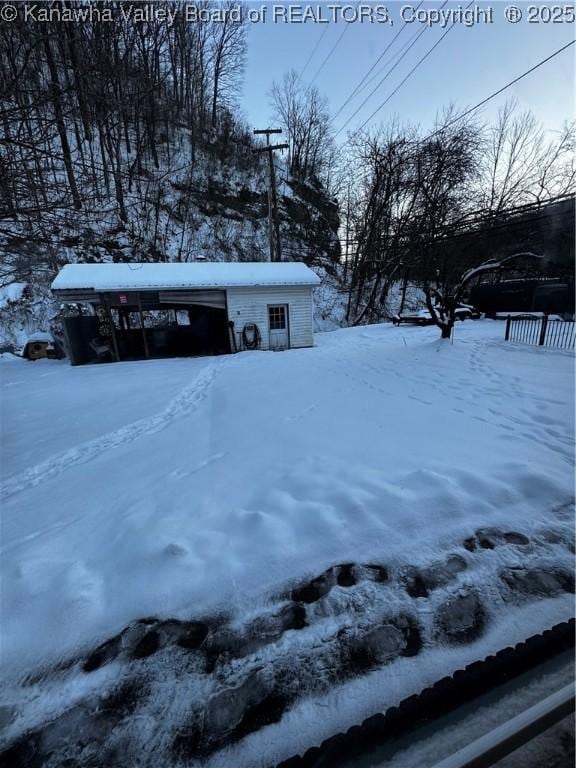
303 114
519 164
409 191
384 202
59 117
228 53
556 171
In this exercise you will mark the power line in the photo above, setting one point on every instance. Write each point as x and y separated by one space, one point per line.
314 51
378 60
377 86
409 75
398 53
500 90
480 103
386 76
336 44
395 59
484 101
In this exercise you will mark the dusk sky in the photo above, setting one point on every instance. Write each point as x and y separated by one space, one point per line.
469 64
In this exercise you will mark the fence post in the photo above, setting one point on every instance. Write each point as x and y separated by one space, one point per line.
508 321
543 331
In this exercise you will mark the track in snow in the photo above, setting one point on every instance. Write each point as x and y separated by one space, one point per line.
183 404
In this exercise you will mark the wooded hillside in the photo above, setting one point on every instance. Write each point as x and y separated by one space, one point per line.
123 141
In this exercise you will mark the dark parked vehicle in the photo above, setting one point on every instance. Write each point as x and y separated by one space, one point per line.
423 317
549 296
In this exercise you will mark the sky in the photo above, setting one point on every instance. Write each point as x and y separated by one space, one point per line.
469 63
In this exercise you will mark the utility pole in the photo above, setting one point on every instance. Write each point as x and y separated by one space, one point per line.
273 224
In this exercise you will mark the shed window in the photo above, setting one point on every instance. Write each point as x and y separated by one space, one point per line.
277 318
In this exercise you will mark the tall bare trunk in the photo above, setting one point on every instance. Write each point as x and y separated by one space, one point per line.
58 114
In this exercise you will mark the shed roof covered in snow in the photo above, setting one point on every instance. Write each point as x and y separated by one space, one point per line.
136 276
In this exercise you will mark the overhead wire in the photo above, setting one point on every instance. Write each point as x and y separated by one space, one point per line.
336 44
394 56
374 65
409 75
305 67
500 90
389 72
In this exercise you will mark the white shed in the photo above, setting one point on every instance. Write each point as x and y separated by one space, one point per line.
158 310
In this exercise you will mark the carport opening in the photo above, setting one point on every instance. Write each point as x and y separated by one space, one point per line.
112 330
173 331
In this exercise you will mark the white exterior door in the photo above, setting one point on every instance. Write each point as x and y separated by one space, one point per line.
278 326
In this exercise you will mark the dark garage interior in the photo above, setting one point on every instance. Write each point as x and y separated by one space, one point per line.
149 324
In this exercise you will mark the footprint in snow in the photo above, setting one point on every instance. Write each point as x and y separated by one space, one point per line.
490 538
301 414
245 693
419 400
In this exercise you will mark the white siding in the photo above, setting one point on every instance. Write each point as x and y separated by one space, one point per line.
250 305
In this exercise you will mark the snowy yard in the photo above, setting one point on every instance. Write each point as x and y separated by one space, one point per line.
224 492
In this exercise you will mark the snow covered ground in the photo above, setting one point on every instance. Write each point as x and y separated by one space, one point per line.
227 491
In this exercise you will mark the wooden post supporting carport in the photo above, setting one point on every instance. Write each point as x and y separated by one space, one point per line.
144 337
112 328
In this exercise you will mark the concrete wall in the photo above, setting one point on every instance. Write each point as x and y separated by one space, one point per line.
250 305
